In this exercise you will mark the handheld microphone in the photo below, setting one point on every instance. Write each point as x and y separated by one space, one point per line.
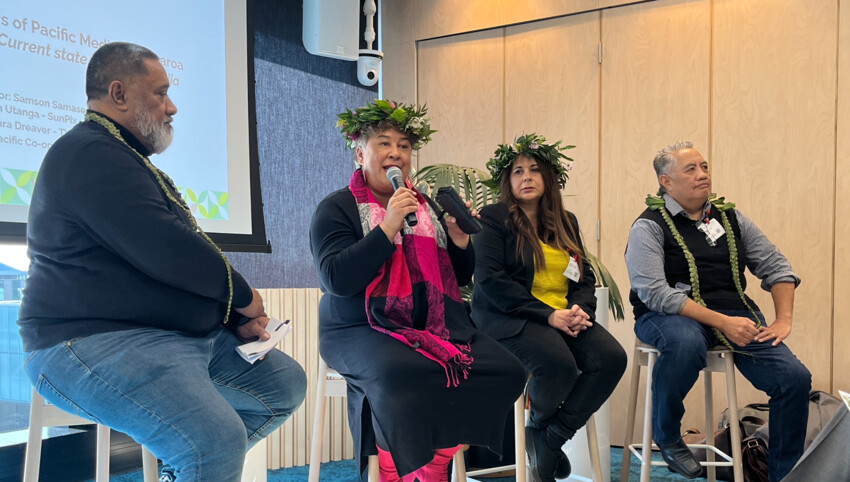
395 177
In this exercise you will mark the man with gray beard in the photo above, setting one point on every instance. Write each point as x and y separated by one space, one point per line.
131 314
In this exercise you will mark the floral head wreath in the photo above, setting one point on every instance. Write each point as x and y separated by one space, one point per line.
532 146
408 118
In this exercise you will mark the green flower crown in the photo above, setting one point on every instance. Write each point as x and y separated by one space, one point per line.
532 146
409 119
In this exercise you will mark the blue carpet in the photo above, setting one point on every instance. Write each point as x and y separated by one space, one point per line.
346 471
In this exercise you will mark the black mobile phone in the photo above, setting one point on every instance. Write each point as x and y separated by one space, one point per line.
451 202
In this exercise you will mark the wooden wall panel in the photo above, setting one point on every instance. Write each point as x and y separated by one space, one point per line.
773 148
620 3
841 315
290 445
655 90
436 18
398 74
552 88
461 81
751 82
398 22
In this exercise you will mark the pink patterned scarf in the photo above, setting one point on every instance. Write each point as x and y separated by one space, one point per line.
408 298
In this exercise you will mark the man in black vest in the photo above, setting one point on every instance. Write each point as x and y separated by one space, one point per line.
686 257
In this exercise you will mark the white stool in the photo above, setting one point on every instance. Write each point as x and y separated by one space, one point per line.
255 468
719 360
329 383
43 415
459 474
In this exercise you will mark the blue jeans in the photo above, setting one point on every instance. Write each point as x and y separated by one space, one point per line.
683 343
192 401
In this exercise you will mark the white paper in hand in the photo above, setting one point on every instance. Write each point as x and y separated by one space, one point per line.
254 350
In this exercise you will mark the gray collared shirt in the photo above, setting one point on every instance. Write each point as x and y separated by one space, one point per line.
645 260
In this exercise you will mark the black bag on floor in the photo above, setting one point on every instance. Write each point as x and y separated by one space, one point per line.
753 420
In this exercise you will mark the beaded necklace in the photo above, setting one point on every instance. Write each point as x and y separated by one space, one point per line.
164 183
656 203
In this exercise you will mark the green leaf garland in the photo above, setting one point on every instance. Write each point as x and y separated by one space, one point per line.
534 147
161 178
656 203
409 119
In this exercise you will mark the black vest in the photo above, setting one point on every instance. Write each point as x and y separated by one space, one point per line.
716 285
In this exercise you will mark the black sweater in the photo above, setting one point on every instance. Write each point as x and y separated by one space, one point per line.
347 262
110 252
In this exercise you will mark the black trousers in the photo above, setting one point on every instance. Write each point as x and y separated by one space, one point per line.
570 377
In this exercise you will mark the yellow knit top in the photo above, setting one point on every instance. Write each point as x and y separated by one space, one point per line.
550 284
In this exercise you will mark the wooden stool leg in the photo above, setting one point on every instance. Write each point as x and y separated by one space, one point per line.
646 452
634 384
459 466
593 449
102 468
32 457
374 468
150 467
709 424
319 423
519 436
734 429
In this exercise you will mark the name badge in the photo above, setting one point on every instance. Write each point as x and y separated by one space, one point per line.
572 272
713 231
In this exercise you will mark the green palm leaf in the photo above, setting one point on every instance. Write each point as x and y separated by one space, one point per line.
603 276
467 181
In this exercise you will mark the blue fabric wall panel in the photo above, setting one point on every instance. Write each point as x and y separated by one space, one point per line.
302 155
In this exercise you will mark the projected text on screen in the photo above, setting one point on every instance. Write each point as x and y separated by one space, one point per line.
45 47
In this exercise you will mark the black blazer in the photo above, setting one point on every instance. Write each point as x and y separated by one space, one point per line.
502 302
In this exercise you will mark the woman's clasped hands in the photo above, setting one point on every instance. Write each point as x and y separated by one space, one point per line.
571 321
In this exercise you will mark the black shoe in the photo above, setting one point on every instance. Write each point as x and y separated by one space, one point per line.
563 469
680 459
541 458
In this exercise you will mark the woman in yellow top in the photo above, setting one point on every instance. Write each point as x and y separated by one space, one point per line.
535 293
